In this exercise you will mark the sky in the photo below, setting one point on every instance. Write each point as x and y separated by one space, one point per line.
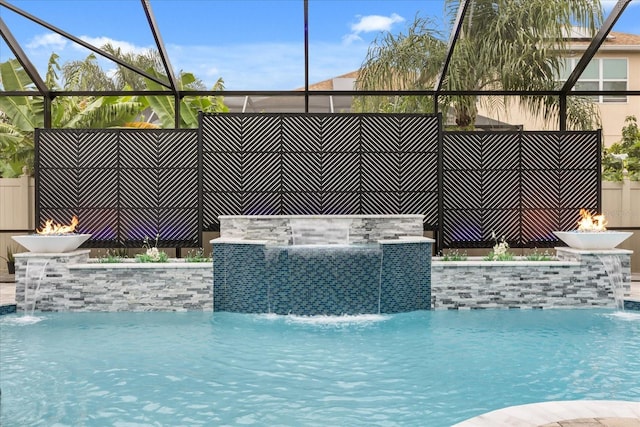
250 44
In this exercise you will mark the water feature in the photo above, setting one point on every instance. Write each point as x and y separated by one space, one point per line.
312 265
34 273
433 368
324 278
613 266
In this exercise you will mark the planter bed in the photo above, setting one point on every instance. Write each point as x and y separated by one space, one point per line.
574 279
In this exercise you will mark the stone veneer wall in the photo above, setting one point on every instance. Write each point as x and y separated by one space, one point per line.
71 283
578 279
277 229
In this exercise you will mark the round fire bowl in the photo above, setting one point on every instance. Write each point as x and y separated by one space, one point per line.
593 240
51 243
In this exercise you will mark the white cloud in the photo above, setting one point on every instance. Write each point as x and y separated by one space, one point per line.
50 41
125 47
375 23
371 24
350 38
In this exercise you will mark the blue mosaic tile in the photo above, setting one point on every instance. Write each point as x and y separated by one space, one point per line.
329 280
406 278
632 305
7 309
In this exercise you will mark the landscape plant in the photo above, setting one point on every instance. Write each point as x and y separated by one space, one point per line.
538 256
454 255
113 256
10 259
10 254
624 154
197 255
152 253
500 251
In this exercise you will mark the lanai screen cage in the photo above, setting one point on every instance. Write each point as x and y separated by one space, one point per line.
430 86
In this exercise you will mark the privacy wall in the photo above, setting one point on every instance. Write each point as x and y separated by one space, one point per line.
519 185
288 164
124 185
129 184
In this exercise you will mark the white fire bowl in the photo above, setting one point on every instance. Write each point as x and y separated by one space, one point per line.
54 243
593 239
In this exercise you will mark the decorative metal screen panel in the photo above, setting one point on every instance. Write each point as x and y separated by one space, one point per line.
268 164
130 184
519 185
124 185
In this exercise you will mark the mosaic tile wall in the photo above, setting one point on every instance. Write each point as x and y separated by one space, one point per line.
68 283
577 280
7 309
310 280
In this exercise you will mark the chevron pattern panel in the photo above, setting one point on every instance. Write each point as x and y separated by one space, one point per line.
519 185
124 185
319 164
128 184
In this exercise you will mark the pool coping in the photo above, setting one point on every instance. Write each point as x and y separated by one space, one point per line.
539 414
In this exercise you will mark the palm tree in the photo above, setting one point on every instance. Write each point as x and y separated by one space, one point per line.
513 45
403 62
124 77
86 75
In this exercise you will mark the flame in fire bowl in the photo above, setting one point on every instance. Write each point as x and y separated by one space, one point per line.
53 238
592 233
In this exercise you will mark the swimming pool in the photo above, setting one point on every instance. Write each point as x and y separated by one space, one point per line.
421 368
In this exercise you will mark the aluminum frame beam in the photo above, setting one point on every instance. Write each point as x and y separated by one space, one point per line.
81 42
453 39
23 59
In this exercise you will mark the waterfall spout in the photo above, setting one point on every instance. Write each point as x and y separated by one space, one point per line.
34 273
613 267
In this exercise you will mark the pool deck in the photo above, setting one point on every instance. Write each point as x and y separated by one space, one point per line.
576 413
546 414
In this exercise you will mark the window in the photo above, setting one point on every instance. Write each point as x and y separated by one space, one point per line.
600 74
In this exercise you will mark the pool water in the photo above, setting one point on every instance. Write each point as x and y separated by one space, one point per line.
414 369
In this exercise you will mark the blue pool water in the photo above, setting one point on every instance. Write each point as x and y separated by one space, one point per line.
414 369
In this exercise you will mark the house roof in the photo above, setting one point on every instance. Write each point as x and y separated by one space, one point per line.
578 39
614 39
328 84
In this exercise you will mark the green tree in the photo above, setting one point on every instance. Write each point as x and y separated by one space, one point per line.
23 114
624 154
86 75
164 108
124 77
401 62
511 45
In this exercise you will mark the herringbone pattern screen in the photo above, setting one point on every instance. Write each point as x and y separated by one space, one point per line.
521 186
128 184
267 164
124 185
